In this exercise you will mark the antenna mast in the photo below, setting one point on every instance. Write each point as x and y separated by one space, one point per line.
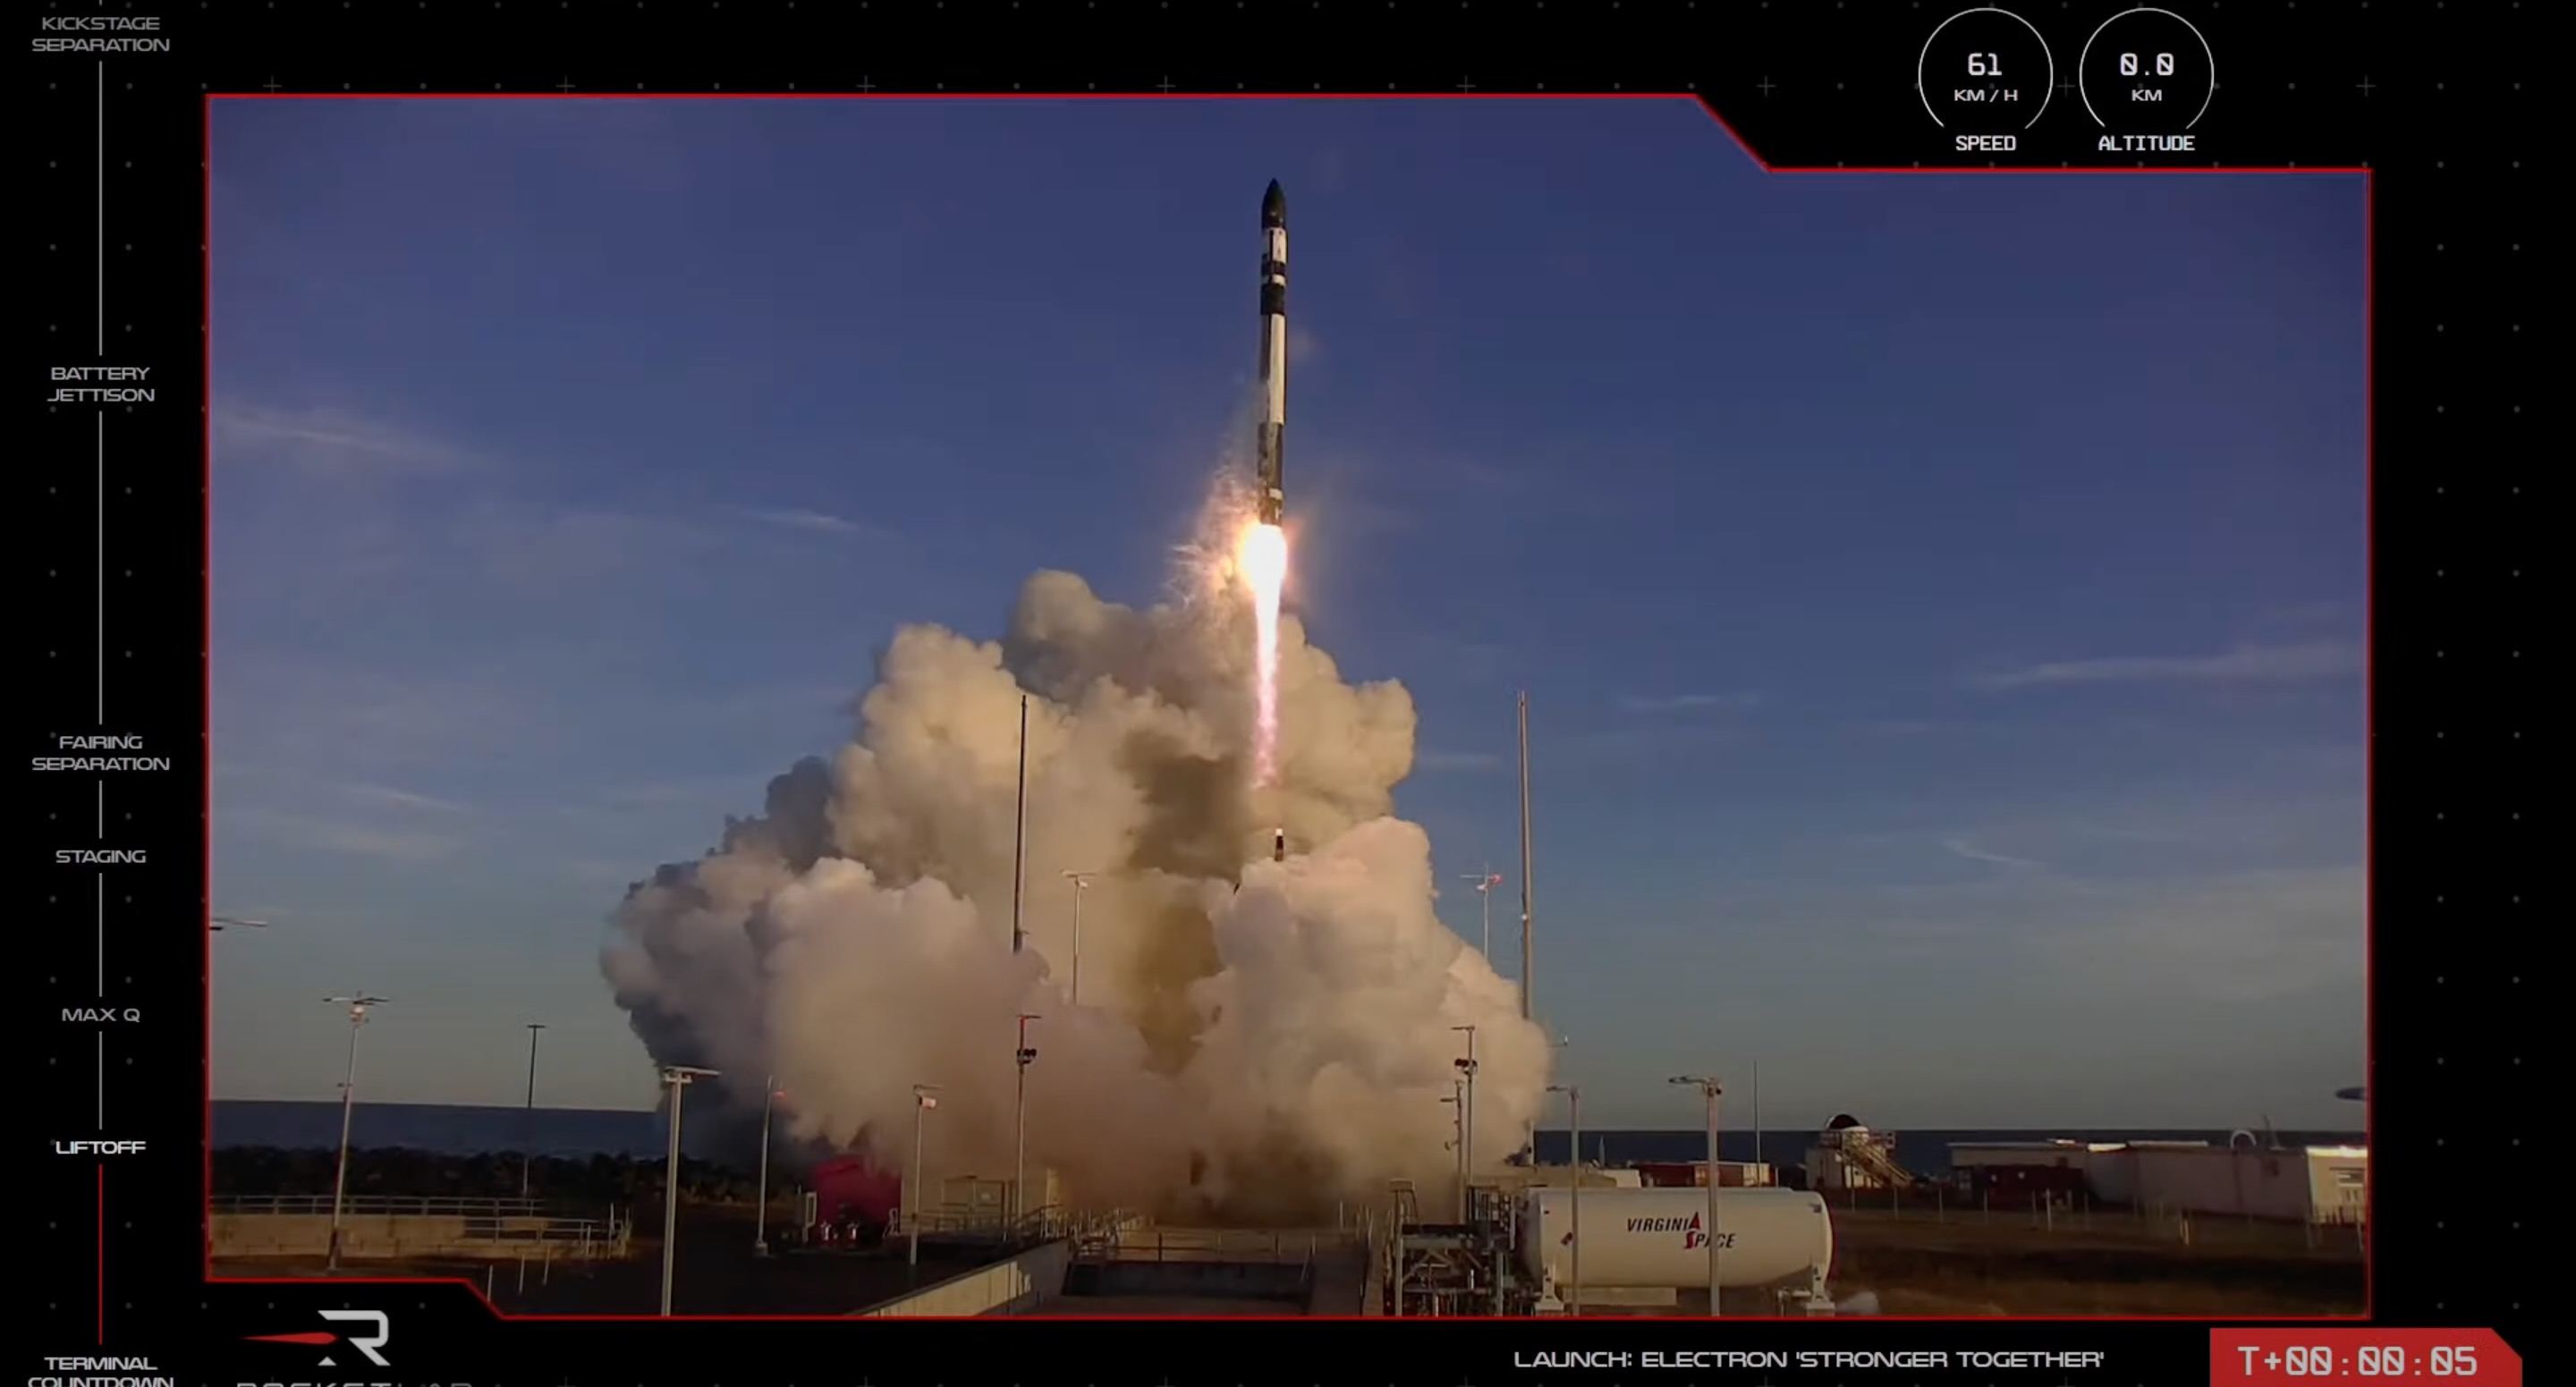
1527 961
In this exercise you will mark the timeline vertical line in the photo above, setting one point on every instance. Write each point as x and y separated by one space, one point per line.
102 570
102 1252
102 211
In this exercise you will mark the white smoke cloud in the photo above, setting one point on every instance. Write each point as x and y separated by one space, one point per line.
1253 1039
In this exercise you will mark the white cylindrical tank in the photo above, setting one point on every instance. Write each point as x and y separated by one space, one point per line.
1658 1237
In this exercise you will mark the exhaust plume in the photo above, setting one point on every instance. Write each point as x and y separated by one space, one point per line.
1256 1039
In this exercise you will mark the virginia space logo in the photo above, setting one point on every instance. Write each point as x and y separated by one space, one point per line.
1694 1231
367 1344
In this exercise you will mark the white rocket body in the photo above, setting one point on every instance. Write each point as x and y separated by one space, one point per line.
1270 496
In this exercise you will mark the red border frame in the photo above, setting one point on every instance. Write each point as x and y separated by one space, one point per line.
2370 1251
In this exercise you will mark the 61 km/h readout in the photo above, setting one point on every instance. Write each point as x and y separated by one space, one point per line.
1985 75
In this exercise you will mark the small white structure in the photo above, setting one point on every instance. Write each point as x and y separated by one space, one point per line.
1849 1156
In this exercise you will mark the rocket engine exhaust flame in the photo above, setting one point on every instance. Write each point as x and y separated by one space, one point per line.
1263 561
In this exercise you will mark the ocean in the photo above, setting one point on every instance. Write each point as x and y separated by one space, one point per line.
580 1133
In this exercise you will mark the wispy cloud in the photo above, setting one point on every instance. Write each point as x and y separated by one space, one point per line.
2244 664
326 836
1644 740
331 441
392 798
1455 760
1686 702
813 521
1961 847
2250 938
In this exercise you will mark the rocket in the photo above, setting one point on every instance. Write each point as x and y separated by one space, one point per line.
1269 485
1278 845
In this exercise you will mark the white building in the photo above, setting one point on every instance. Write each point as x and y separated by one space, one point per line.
2316 1184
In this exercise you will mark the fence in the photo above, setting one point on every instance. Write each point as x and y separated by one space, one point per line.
397 1227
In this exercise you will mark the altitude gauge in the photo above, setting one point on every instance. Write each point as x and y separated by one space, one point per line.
2146 72
1985 72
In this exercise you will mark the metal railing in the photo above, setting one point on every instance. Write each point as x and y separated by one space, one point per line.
1146 1244
378 1205
1038 1225
484 1220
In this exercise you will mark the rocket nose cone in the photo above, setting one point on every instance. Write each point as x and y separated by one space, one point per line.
1274 206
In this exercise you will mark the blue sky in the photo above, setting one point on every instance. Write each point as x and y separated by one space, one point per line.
1941 597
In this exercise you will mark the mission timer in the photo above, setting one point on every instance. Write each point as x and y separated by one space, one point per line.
1985 72
2146 72
2432 1357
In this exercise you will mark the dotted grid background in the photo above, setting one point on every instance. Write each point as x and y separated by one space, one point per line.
110 578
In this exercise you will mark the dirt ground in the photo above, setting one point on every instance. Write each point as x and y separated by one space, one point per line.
1967 1262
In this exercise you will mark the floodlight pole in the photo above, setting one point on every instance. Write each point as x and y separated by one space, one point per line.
677 1078
1574 1121
1020 1126
357 1003
1486 881
528 1136
1081 882
760 1216
1467 1126
923 1100
1710 1089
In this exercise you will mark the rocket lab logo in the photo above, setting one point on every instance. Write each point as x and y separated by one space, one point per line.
366 1344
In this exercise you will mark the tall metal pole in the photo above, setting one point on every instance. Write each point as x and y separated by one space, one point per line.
1485 893
671 1197
1757 1119
679 1077
357 1005
1081 882
923 1100
1526 946
1486 881
528 1138
1020 1127
1467 1120
1400 1188
1715 1242
1574 1124
760 1205
1710 1088
1020 834
1457 1101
